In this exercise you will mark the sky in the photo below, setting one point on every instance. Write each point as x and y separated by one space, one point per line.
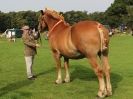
59 5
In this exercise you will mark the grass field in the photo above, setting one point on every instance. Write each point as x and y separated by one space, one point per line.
84 85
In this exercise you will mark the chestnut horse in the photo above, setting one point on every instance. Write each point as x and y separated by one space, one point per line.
87 39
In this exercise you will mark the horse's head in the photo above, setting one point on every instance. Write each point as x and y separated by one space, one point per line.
36 34
48 18
42 24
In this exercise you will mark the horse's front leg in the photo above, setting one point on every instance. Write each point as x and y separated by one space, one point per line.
66 66
57 58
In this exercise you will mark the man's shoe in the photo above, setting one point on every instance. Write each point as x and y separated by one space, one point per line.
31 78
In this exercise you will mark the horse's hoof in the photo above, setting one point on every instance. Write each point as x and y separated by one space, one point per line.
66 81
58 82
101 95
97 97
109 93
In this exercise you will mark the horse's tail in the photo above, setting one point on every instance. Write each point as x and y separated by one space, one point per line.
102 38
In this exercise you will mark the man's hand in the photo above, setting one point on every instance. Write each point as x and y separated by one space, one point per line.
37 45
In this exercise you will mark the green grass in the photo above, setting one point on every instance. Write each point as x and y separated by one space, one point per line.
84 85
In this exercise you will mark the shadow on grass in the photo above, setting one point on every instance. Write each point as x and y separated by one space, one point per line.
46 72
17 85
84 73
14 86
115 79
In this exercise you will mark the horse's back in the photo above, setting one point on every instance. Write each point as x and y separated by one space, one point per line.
87 26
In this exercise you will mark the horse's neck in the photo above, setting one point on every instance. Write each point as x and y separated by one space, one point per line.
51 23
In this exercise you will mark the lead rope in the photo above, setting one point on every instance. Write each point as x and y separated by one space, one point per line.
54 27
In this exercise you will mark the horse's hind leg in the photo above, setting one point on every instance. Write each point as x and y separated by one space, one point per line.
99 72
66 66
106 69
58 64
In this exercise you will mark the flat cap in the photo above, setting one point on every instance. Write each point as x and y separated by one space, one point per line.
26 27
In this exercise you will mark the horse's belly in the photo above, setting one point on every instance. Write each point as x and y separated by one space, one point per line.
74 55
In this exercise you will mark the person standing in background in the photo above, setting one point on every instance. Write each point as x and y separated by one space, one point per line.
30 50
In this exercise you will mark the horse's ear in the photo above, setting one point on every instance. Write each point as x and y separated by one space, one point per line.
42 12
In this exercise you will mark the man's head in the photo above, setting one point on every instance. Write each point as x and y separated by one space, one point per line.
25 28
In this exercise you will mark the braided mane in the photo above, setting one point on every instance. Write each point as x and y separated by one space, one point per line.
54 14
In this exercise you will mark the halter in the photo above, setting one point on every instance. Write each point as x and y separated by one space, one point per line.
54 27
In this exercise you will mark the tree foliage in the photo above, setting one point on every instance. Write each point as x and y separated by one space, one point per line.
120 12
18 19
75 16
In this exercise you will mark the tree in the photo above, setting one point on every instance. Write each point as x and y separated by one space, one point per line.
18 19
31 18
120 12
97 16
129 2
4 21
129 17
75 16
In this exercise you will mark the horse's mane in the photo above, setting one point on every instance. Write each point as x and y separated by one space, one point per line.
54 14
